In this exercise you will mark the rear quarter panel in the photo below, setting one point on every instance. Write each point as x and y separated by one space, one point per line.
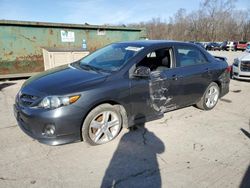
222 76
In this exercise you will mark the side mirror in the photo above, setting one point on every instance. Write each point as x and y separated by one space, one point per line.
142 71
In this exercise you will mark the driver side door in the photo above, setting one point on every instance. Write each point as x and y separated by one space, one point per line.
159 92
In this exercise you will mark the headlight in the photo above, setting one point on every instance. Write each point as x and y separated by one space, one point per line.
56 101
236 62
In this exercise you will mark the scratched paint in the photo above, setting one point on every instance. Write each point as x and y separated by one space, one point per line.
159 96
21 43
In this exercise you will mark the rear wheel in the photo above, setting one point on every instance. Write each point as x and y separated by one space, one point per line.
101 125
210 97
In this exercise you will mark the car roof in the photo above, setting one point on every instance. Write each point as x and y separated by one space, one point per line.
148 43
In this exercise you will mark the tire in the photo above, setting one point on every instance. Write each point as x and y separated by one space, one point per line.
210 97
102 124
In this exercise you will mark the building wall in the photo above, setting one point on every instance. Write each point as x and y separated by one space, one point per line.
21 44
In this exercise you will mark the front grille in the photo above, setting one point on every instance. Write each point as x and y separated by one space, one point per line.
244 76
27 100
245 66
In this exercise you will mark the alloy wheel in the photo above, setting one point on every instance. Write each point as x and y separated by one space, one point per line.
104 127
212 96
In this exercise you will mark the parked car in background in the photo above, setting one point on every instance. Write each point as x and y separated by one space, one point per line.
231 45
241 67
197 43
223 46
205 44
248 48
241 45
120 85
213 46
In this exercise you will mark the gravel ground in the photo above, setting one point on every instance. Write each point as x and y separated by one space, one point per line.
186 148
230 55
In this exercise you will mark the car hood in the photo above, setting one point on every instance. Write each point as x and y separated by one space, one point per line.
245 57
62 80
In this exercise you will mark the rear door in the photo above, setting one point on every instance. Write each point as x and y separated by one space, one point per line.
195 72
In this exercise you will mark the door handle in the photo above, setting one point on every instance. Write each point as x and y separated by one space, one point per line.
175 77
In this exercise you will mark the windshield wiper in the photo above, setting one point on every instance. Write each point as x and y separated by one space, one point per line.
89 67
96 69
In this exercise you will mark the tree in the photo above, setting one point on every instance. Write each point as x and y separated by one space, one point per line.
215 20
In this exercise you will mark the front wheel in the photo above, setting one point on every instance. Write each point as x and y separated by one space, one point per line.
210 97
101 125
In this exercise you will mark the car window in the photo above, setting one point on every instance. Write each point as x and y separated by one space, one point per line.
110 58
158 60
188 55
151 54
117 55
242 42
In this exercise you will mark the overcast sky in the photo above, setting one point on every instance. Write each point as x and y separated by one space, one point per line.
97 11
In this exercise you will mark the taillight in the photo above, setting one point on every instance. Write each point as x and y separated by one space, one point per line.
229 69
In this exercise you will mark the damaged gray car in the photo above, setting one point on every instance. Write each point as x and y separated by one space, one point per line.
118 86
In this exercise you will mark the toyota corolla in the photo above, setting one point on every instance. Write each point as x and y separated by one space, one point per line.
118 86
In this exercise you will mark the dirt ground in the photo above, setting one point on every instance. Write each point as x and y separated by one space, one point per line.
230 55
186 148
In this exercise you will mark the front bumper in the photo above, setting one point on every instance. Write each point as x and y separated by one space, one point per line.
241 75
67 121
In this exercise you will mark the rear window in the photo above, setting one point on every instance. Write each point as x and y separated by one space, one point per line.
242 42
188 55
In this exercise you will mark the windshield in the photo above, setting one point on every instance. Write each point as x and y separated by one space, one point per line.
110 58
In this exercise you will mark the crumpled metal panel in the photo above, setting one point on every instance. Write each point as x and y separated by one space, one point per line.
159 95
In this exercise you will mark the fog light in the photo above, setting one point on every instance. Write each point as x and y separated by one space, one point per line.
49 130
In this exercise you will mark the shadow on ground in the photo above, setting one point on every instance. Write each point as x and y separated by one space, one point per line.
134 163
4 85
245 183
